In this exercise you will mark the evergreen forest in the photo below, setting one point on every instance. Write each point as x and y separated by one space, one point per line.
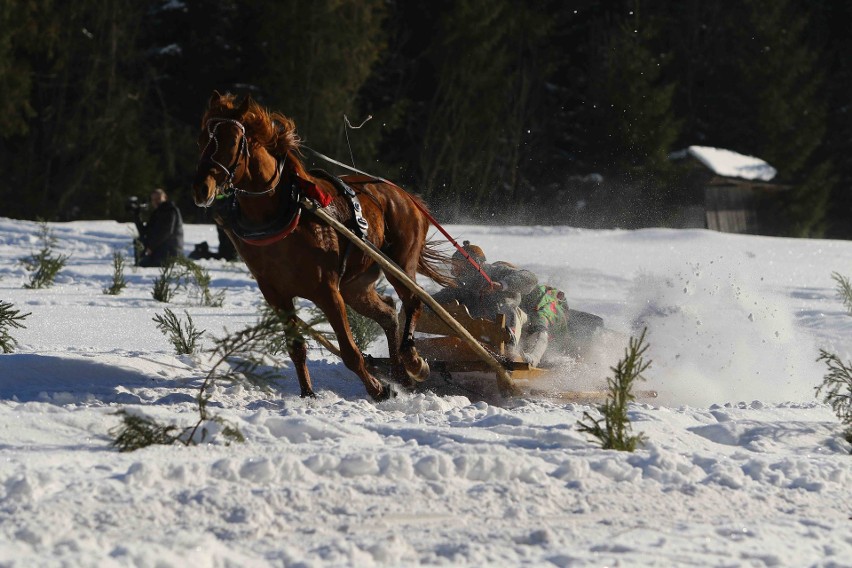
515 111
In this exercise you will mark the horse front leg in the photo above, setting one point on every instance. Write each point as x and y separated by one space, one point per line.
297 348
298 351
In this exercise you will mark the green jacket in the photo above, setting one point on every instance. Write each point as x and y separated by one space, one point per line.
547 310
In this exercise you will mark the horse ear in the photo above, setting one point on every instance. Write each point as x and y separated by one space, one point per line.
215 98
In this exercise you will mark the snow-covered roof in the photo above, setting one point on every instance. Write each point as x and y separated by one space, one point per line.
730 164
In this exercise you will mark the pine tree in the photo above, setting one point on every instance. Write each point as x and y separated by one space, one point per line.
830 24
193 48
785 79
18 37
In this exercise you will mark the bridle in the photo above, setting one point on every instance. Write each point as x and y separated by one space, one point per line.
227 187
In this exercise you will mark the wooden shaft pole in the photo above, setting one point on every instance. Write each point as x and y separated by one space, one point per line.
320 338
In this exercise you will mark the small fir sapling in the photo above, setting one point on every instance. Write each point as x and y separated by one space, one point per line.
240 356
119 282
837 389
844 290
45 264
613 430
178 273
9 318
837 383
183 337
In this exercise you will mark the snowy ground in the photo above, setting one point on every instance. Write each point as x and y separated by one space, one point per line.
743 466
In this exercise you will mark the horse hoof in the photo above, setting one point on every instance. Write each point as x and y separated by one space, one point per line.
421 372
308 394
386 393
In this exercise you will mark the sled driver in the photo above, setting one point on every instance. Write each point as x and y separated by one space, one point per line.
503 295
547 311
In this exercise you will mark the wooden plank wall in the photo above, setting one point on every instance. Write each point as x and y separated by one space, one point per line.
730 209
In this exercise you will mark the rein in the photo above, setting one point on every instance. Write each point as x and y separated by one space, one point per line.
418 205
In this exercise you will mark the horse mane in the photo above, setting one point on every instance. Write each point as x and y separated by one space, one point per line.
271 130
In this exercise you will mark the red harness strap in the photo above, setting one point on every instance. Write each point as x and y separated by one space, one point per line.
449 238
313 191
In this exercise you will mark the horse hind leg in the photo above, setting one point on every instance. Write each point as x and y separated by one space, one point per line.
415 366
407 238
334 308
381 309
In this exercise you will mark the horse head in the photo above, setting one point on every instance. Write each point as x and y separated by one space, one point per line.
230 135
224 147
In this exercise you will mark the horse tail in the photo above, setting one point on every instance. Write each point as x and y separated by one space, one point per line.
433 264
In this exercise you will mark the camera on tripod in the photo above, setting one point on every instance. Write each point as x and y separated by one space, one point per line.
134 206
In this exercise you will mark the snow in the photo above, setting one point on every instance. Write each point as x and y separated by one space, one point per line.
731 164
742 467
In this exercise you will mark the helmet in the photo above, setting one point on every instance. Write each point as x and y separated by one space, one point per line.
474 251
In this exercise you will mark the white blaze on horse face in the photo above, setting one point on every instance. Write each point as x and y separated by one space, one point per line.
204 191
211 196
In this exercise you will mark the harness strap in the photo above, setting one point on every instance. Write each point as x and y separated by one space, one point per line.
289 209
285 222
361 226
274 238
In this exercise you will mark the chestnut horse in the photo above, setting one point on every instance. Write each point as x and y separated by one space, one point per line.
250 173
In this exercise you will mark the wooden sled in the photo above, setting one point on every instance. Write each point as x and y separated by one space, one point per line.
447 352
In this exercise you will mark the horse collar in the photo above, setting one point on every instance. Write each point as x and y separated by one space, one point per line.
288 212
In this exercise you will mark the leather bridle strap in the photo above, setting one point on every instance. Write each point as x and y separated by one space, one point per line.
212 125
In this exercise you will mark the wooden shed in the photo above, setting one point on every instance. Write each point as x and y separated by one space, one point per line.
724 189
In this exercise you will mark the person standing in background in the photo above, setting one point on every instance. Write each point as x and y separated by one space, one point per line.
161 238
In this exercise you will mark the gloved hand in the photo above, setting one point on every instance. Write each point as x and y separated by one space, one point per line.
488 289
